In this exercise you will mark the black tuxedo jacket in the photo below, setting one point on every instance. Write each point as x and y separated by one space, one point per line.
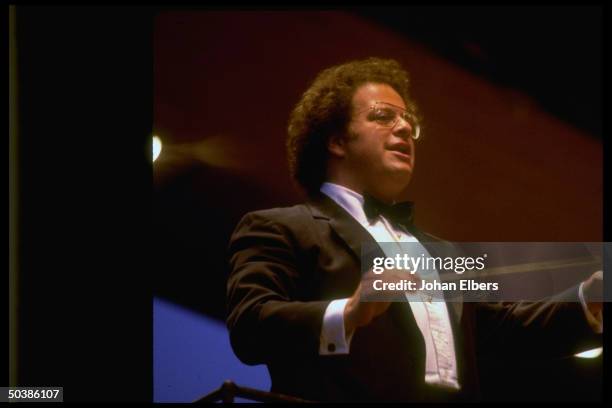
287 264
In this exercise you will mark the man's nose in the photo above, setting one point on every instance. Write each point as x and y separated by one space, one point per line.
402 128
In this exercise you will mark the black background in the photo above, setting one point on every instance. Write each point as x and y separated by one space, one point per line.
84 297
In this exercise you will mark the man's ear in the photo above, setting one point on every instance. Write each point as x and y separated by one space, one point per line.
336 145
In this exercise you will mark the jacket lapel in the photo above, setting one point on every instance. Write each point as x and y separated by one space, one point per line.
345 226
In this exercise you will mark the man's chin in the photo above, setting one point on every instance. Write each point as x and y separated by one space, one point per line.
401 177
401 172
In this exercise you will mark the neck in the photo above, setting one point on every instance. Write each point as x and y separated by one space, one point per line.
379 194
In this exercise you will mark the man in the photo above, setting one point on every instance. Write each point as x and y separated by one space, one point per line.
295 283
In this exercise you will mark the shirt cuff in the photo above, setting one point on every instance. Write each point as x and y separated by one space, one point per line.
333 340
596 322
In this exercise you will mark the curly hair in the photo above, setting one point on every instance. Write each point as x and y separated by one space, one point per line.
325 110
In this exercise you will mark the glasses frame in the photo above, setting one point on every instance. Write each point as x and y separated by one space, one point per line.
409 118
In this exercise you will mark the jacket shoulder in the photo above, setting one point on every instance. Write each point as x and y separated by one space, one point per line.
285 226
281 215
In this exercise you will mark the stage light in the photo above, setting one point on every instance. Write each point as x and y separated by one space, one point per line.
157 147
590 353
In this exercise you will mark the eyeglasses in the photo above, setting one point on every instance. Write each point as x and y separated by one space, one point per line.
387 115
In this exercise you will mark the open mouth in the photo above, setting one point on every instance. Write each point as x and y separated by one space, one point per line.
401 150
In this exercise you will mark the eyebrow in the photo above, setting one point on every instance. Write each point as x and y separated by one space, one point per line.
387 103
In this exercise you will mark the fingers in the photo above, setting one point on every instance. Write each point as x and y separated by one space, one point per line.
593 287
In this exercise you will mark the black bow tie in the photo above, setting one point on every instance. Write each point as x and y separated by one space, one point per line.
400 213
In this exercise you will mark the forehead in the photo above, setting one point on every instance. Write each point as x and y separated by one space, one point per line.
368 93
